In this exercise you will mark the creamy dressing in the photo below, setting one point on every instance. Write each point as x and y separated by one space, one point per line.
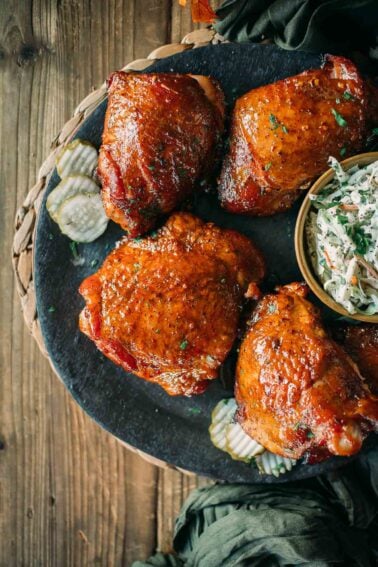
342 237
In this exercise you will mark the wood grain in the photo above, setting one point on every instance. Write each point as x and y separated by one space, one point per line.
69 493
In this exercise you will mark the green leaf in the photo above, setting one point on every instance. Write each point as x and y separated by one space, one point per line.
273 122
319 205
73 248
339 119
343 151
184 344
348 96
94 263
194 411
182 172
342 219
358 236
268 166
284 129
51 309
375 131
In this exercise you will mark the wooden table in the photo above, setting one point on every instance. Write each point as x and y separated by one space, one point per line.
69 493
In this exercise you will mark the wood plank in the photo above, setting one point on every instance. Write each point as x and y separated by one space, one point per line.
173 489
70 494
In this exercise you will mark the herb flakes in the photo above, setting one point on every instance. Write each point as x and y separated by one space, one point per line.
73 248
184 344
348 96
273 122
339 119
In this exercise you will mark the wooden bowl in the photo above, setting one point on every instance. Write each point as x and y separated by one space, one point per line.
301 251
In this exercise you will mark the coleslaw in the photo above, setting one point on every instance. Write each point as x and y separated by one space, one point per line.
342 237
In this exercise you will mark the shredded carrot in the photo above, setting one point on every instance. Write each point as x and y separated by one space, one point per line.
372 271
328 260
346 207
354 280
201 11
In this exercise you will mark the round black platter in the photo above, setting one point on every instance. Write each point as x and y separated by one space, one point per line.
173 429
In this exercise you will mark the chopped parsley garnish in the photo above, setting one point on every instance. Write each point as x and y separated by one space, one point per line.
136 266
157 331
51 309
182 172
303 426
268 166
272 308
375 131
359 238
348 96
343 151
338 101
194 411
151 167
342 219
94 263
273 122
339 119
184 344
320 205
73 248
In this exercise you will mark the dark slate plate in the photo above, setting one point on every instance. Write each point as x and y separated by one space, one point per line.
142 414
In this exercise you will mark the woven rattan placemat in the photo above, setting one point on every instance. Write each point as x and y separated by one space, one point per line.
26 217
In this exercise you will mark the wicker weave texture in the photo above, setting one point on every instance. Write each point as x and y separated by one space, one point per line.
26 217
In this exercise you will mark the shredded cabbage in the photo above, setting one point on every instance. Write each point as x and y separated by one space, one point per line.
342 237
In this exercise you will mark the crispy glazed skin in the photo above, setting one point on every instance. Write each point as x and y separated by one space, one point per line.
361 343
299 393
160 137
283 134
167 307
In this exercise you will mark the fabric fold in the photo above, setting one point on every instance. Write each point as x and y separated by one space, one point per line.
334 26
331 520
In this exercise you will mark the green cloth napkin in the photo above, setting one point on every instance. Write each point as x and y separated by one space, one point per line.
331 520
334 26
